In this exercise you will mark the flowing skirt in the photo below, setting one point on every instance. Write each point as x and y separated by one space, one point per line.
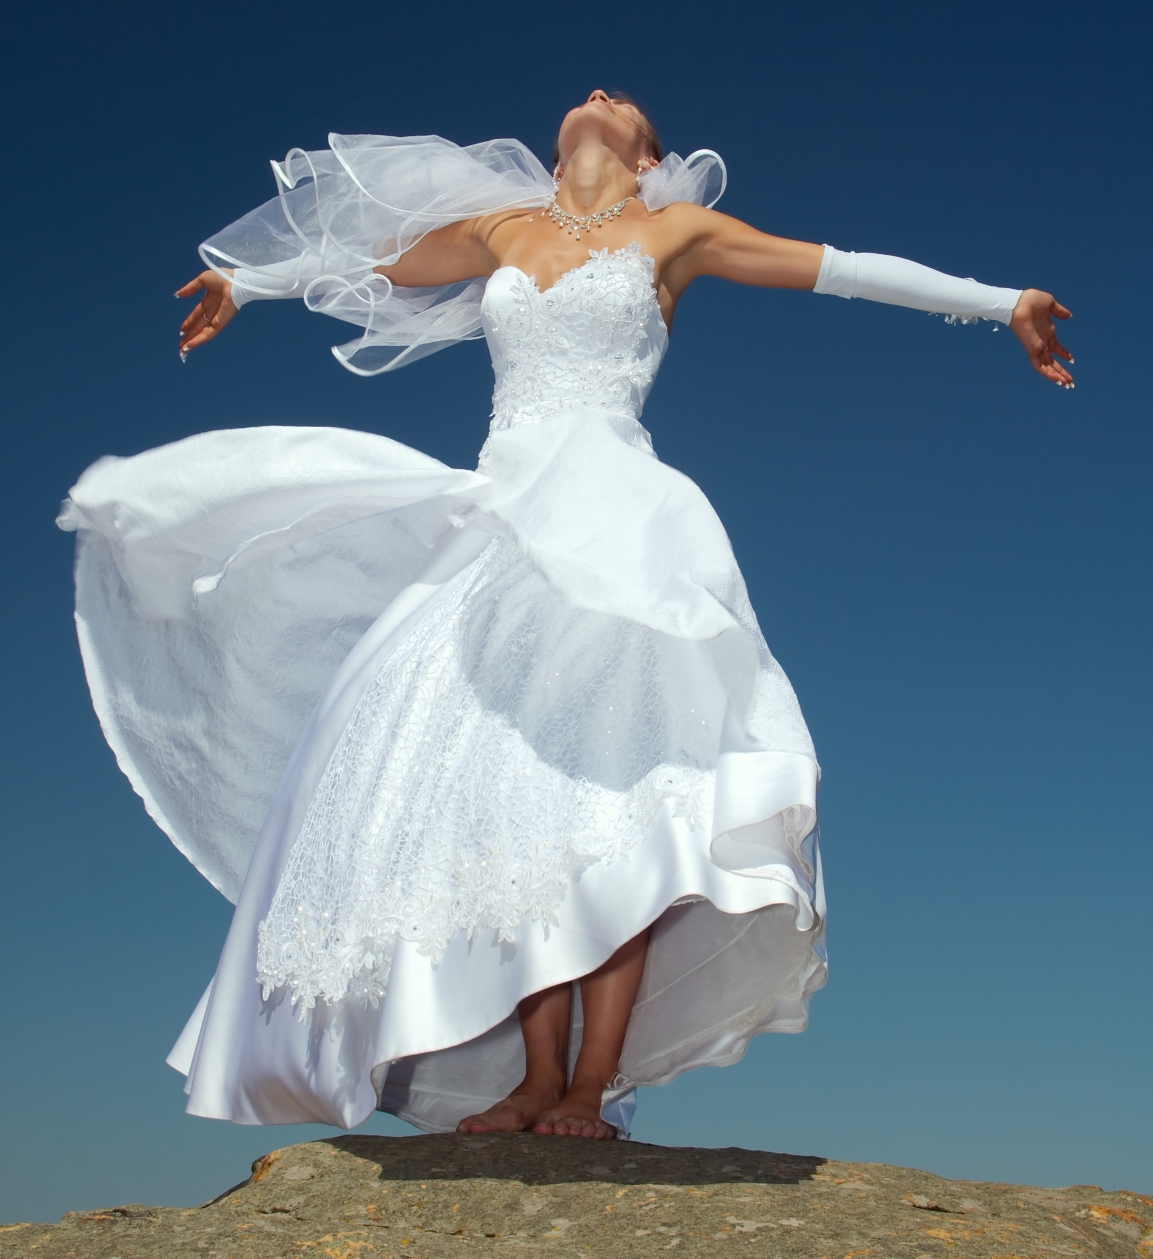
447 738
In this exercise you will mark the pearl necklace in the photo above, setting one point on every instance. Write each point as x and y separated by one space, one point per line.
585 222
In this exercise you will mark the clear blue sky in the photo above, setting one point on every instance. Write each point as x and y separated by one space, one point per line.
950 557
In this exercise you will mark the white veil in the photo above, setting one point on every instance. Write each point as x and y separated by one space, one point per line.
701 178
364 200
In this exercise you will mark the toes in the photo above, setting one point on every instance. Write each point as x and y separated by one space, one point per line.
562 1125
478 1123
590 1129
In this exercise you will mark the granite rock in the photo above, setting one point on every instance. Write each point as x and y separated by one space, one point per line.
366 1197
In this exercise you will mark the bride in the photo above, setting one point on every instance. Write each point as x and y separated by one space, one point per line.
516 807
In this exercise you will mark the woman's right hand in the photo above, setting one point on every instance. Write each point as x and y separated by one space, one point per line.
211 313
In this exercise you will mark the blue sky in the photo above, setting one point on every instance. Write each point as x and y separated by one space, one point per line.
950 557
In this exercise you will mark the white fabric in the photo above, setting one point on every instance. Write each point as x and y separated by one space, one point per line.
277 280
700 178
899 282
444 1041
462 733
280 544
365 200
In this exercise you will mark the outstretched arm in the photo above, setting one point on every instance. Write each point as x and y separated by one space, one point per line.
456 252
725 247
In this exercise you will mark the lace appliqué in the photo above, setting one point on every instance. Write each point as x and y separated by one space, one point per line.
595 338
506 745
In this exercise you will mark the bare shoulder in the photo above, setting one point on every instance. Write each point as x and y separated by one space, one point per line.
705 242
685 228
688 233
685 218
492 227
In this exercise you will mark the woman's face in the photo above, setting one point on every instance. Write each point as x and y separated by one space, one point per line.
616 124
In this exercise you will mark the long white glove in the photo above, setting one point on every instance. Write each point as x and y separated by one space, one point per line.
883 278
277 280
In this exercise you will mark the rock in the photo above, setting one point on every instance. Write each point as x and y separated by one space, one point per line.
362 1197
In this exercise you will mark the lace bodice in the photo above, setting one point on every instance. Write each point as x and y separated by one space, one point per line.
595 338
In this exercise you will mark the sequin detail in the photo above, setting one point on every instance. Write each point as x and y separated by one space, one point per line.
594 339
508 743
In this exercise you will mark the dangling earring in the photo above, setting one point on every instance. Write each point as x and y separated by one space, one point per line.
557 176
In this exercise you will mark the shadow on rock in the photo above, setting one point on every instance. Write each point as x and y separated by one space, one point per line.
534 1160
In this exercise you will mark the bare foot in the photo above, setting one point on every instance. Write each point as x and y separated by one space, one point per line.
577 1114
517 1113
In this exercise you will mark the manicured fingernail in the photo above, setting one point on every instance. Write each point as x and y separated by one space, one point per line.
1071 360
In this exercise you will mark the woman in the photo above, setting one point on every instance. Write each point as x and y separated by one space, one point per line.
455 740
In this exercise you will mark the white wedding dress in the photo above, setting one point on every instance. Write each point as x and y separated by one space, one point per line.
450 737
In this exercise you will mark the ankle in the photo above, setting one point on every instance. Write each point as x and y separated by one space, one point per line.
592 1083
544 1081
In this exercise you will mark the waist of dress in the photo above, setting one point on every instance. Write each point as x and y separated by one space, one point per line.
622 422
540 410
507 413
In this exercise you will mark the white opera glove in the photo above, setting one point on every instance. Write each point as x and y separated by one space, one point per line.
277 280
883 278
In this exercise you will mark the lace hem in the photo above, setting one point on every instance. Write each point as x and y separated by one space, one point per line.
507 744
317 960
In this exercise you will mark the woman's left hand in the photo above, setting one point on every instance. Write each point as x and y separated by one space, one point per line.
1032 322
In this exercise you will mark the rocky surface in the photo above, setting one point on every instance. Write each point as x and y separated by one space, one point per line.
362 1197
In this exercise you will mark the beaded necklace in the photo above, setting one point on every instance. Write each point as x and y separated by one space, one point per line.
585 222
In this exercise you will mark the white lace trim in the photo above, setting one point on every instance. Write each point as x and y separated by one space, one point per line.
469 787
595 338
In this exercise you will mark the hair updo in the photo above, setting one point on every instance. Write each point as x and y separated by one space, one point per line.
644 127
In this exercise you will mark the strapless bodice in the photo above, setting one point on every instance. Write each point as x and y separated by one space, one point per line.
594 339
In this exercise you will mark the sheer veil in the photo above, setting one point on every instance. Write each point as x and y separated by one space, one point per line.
364 200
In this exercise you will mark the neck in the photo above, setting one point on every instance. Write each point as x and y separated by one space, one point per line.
594 177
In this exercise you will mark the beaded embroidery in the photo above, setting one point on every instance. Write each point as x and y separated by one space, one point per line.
595 338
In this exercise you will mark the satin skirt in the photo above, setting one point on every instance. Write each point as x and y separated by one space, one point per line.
447 738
